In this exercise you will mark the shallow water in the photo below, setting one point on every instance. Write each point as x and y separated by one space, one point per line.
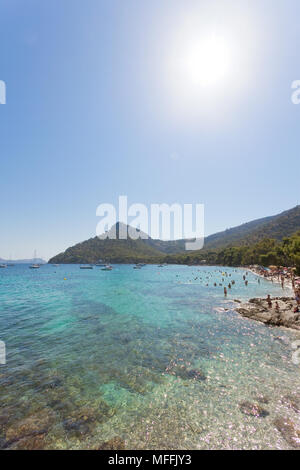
148 356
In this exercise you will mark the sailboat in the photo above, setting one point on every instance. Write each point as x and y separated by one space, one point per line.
34 265
10 264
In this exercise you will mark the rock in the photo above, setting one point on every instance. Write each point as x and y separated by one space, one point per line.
116 443
289 431
3 443
196 375
292 401
252 409
76 428
29 443
83 420
262 399
258 309
34 425
188 374
54 383
5 416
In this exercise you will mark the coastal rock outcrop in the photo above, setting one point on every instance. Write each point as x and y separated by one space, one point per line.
258 309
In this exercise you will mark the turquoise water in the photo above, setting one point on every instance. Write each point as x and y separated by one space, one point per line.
149 356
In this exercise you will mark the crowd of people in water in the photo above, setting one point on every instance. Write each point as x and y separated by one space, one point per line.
285 276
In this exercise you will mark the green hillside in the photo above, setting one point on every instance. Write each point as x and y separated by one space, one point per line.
277 227
150 250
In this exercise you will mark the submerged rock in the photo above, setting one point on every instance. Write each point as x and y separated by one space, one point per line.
289 431
29 443
116 443
253 409
262 399
292 401
34 425
188 374
76 428
82 421
3 443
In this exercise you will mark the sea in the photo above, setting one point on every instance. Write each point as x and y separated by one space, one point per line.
151 358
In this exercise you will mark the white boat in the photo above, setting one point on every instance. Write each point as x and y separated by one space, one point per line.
2 266
107 268
34 265
100 263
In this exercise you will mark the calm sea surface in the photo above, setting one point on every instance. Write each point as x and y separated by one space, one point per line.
147 356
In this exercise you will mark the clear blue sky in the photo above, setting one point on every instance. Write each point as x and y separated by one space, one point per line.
101 102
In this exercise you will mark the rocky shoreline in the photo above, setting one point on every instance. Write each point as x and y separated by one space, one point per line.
258 309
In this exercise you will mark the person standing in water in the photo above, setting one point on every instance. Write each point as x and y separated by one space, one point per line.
269 301
225 291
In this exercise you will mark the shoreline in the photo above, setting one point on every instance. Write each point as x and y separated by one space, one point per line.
257 309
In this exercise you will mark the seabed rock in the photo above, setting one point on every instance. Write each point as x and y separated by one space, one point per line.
252 409
29 443
188 374
33 425
289 431
292 401
116 443
262 399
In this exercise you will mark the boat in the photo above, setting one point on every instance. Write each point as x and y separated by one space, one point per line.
2 266
10 264
107 268
34 265
100 263
86 267
137 267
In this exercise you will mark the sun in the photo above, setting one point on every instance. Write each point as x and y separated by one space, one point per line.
208 61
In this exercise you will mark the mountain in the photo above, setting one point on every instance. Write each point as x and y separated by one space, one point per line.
278 226
23 261
151 250
113 251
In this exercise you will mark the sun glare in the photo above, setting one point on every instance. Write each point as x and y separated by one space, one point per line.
208 61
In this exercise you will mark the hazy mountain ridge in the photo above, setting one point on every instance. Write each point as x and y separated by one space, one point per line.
119 250
23 261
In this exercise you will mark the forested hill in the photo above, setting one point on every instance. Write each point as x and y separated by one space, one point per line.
149 250
277 227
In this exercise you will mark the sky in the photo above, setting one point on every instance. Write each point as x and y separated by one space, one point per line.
165 102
